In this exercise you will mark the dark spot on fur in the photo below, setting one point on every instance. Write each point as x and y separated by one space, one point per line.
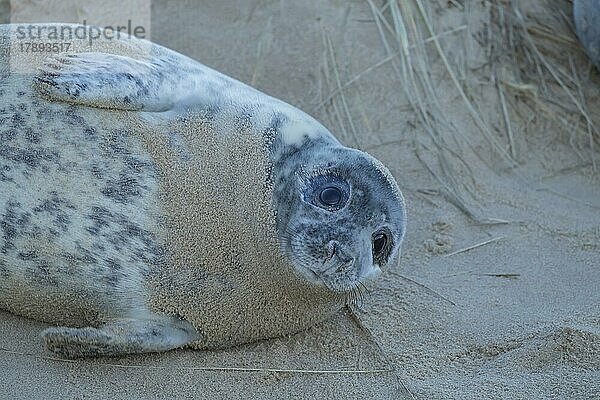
136 165
122 189
44 114
3 174
243 121
277 121
8 135
210 112
17 120
4 273
96 171
271 134
100 217
56 206
118 232
28 255
111 272
115 144
41 273
75 90
31 157
32 136
13 223
89 132
98 246
72 117
84 255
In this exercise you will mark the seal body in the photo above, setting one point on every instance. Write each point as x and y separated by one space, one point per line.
148 202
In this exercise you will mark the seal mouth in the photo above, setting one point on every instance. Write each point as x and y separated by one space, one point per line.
335 271
338 267
335 276
312 273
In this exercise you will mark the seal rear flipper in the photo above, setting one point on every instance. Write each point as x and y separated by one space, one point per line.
108 81
119 338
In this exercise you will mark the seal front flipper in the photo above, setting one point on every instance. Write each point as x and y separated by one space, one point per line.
120 337
109 81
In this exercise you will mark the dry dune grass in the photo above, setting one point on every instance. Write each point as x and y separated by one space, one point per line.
529 79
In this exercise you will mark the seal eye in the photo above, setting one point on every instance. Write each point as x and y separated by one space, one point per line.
379 242
328 192
331 196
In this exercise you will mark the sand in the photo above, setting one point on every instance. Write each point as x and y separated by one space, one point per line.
512 139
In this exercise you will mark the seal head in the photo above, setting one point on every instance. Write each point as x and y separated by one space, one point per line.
341 217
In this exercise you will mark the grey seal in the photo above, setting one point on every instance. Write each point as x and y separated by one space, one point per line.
148 202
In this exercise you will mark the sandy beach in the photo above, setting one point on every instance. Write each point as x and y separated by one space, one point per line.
488 116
